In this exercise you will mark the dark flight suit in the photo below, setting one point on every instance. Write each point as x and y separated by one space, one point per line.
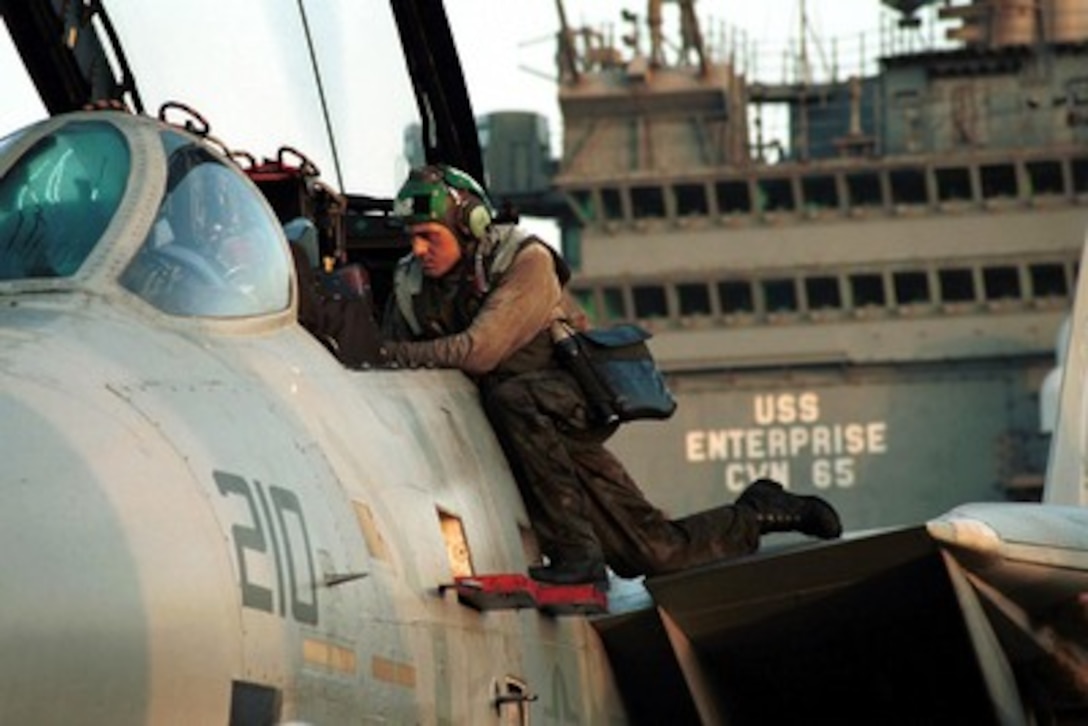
581 501
580 498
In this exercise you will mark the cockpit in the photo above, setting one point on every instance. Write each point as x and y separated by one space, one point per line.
214 248
58 198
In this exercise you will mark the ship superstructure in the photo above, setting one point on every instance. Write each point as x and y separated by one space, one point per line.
866 305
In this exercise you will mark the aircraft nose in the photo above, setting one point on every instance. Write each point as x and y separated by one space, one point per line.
71 621
117 602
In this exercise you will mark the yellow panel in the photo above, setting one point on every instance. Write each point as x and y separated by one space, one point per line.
328 655
375 543
391 671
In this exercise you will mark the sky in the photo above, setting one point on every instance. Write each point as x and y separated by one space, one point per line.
246 66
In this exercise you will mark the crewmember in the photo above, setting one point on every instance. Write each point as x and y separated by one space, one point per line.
481 296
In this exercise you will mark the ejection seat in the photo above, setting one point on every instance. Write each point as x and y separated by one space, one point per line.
335 306
335 303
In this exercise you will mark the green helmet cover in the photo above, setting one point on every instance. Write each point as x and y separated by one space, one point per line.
426 195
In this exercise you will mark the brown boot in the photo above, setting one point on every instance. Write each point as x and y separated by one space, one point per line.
777 510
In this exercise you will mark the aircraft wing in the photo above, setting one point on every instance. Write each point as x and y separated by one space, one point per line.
894 626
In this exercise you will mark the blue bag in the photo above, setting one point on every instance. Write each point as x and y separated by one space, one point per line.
628 376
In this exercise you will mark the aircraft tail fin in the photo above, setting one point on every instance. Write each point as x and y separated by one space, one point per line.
1065 477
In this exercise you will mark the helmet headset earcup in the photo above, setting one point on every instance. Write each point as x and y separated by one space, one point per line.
475 218
473 214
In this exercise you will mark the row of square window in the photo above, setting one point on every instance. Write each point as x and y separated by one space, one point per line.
781 294
862 189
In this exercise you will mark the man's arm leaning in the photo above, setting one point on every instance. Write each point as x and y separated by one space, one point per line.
525 301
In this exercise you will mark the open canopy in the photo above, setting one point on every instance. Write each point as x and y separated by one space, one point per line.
264 73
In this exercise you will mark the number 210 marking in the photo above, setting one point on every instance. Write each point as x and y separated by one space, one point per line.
252 537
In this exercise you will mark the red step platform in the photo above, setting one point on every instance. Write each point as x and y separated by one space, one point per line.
514 591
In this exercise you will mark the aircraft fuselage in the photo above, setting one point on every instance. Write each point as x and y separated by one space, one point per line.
208 512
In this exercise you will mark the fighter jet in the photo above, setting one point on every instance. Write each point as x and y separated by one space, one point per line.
209 518
212 518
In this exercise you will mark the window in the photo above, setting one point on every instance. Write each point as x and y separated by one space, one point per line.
694 298
776 195
823 293
1045 177
911 287
908 186
867 289
733 197
998 180
953 184
615 307
647 202
820 192
957 285
736 296
1001 283
1080 175
650 301
691 200
570 243
613 205
864 190
1048 280
58 198
780 295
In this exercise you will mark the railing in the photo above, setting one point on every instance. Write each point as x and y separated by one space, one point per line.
806 54
820 99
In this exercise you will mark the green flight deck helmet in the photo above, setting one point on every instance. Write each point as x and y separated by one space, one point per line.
444 194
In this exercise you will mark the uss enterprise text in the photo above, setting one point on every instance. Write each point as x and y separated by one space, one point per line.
788 434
